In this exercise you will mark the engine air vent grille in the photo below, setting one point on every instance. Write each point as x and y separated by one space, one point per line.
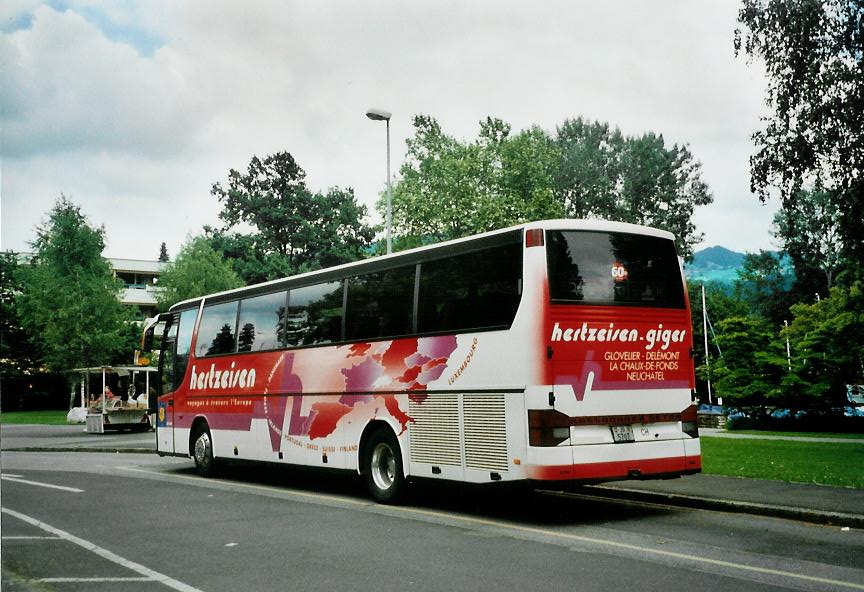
485 432
434 431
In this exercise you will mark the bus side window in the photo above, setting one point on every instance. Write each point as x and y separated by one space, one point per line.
261 322
478 290
218 331
380 304
314 315
184 344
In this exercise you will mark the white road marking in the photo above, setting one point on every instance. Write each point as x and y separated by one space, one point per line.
28 538
11 475
696 559
62 580
149 574
60 487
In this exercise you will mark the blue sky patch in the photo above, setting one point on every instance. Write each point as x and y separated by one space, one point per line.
145 42
18 22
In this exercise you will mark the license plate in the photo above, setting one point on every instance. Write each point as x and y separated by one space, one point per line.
622 433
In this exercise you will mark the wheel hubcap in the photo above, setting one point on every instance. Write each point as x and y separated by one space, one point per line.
202 448
383 466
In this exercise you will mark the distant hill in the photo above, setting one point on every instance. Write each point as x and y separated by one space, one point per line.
717 258
719 264
714 264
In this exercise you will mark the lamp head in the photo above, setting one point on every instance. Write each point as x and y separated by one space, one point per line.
378 114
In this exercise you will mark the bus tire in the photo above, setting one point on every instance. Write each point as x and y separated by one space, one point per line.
202 451
382 467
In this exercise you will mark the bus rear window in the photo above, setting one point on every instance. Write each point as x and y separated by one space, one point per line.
613 268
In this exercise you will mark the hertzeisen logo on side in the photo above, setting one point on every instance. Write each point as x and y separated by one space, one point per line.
217 378
660 337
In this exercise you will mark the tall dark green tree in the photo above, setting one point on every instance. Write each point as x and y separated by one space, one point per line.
294 229
763 285
590 165
70 303
18 355
163 253
812 51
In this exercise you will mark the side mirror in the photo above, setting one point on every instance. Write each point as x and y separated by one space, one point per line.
153 327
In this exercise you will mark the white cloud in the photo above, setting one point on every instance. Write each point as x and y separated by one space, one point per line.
69 89
88 113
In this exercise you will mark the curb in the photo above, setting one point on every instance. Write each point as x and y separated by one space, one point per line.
738 507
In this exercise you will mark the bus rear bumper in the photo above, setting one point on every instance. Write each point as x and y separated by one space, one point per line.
643 460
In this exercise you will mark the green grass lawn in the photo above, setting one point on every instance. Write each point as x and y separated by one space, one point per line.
34 417
844 435
825 463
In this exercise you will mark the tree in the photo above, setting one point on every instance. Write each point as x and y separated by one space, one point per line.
591 162
70 303
249 259
636 179
720 306
661 187
810 230
451 189
197 271
295 230
763 285
526 163
163 253
750 373
812 51
18 355
827 343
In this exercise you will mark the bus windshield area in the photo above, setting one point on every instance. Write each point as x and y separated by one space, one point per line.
613 268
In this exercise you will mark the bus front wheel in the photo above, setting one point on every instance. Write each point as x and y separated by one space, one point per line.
202 451
383 467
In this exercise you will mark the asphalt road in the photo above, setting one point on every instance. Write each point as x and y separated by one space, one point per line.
95 521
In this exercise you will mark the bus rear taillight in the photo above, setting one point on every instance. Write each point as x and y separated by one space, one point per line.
534 237
547 427
690 422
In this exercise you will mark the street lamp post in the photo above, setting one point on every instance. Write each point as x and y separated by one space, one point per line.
381 115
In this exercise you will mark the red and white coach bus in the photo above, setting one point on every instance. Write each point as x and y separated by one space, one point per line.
555 351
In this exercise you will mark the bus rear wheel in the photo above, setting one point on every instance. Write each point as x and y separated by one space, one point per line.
382 467
202 451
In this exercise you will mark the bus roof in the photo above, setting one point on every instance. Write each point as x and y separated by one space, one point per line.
460 244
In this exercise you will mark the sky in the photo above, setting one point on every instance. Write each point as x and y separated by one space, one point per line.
134 110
